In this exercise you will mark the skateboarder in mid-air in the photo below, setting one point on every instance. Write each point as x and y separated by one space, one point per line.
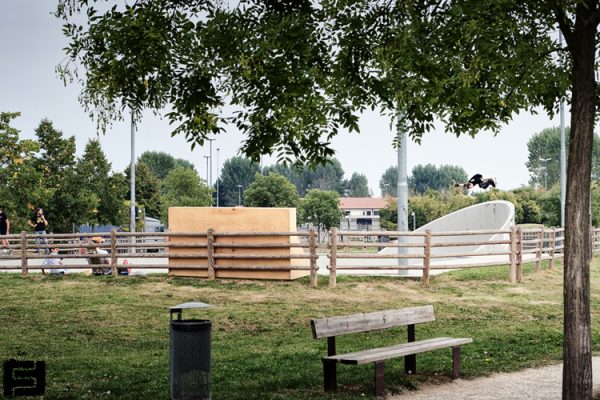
478 180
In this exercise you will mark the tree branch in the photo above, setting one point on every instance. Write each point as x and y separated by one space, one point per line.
521 75
563 23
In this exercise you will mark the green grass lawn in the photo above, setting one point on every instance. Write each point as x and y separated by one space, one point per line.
108 338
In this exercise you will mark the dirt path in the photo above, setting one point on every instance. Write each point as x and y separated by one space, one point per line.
539 384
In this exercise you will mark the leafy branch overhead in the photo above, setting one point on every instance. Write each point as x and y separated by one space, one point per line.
291 74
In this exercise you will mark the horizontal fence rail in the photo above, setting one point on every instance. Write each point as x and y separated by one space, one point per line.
427 251
358 251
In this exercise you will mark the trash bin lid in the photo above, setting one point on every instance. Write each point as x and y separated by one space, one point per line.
192 304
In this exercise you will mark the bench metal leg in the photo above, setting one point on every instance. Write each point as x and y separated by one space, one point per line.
329 375
379 378
410 364
455 362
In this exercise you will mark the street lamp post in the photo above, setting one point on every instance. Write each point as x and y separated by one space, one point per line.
239 195
209 172
414 221
132 183
218 176
545 161
207 176
563 155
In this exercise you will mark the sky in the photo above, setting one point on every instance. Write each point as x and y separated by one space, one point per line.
31 44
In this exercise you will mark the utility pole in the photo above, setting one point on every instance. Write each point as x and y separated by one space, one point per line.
218 176
563 156
132 180
210 180
402 188
207 173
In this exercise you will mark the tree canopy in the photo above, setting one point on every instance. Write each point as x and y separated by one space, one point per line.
389 182
543 160
357 186
236 171
161 163
320 208
271 190
425 177
183 187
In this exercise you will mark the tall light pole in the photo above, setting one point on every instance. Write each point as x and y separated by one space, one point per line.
218 176
545 161
132 181
563 156
402 190
207 158
239 195
210 181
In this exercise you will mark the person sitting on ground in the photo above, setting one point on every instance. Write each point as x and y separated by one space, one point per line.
478 180
53 261
99 260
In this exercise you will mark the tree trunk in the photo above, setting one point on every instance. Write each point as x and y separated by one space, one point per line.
577 356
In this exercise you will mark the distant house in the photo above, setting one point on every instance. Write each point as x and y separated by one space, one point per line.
361 213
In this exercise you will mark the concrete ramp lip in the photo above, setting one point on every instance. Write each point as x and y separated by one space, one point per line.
496 214
491 215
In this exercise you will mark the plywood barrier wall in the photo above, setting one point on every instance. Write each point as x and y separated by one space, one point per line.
237 219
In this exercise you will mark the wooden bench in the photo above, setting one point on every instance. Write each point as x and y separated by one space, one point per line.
335 326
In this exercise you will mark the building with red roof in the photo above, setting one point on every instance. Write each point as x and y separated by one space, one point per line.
361 213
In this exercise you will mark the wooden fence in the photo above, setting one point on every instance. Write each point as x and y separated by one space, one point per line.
416 251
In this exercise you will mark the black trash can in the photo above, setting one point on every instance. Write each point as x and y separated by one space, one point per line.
190 355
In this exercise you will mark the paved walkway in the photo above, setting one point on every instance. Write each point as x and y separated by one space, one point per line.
530 384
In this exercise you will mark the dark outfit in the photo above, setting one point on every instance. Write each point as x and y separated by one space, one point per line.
3 224
40 230
39 223
478 180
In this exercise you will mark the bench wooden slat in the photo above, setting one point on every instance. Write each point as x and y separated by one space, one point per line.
336 326
399 350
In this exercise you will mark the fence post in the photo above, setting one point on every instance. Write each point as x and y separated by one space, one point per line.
113 252
333 256
540 251
427 258
24 266
552 248
519 254
512 271
210 258
312 240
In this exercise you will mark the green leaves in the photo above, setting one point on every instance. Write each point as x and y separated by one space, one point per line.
320 208
290 75
272 190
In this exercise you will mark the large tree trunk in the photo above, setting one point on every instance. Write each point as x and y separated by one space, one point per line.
577 356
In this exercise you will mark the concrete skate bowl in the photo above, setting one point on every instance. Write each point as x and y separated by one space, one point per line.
488 216
491 215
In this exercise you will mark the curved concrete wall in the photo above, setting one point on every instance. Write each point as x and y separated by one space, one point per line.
491 215
497 214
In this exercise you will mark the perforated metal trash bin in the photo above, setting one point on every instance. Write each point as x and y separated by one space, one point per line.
190 355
